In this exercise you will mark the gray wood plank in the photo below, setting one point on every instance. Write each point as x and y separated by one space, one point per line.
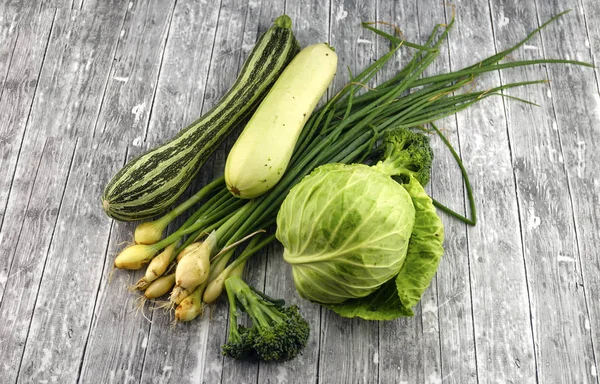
590 11
23 4
503 335
119 334
75 72
577 119
311 26
416 349
454 299
65 302
562 344
9 20
452 282
354 360
179 354
591 14
132 83
30 248
19 85
184 69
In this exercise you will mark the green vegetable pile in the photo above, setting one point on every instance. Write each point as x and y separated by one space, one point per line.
348 230
360 233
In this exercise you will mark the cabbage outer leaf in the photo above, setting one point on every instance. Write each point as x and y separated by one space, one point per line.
425 248
396 297
345 230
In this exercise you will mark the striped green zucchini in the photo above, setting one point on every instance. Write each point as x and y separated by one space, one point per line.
150 183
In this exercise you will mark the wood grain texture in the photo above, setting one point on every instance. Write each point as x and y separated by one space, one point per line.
454 304
29 251
119 332
76 68
20 73
131 86
546 215
184 69
501 314
590 264
515 298
577 124
71 277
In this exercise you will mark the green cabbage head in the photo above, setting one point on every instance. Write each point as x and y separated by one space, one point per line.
346 230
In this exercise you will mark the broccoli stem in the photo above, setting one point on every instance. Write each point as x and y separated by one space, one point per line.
278 333
260 311
234 334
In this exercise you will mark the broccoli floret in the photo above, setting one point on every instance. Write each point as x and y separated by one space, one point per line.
407 153
239 345
278 333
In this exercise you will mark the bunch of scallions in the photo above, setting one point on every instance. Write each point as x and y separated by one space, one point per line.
346 129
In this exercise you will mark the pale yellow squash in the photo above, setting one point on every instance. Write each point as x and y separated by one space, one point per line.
263 151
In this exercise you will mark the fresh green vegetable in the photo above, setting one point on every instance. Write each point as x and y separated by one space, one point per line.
346 130
216 282
346 228
278 333
263 150
396 297
150 183
150 232
407 153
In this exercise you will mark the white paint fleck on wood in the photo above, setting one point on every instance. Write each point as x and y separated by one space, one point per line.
65 301
184 69
500 302
127 102
28 252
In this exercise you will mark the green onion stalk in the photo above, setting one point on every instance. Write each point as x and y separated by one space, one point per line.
211 215
346 129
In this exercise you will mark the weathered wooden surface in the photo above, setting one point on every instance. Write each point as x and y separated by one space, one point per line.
86 84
